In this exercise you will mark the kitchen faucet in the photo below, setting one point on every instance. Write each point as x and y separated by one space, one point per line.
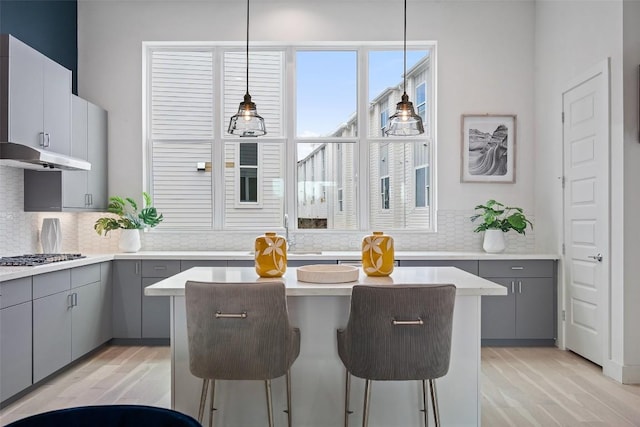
290 242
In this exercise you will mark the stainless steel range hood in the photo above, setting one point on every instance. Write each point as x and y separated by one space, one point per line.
27 157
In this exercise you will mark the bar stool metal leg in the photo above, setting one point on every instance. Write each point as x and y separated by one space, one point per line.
347 395
424 403
203 399
434 402
211 408
367 399
267 385
289 398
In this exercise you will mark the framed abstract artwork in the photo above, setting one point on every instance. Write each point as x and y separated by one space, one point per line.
488 148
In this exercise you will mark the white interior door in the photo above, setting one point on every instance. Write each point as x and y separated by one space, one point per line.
586 211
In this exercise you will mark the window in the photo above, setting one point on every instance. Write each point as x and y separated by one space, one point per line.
384 118
421 99
347 175
384 177
421 166
248 172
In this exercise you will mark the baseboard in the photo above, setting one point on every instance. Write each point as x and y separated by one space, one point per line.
140 341
625 374
517 343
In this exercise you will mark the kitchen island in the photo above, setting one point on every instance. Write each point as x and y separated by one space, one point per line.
318 374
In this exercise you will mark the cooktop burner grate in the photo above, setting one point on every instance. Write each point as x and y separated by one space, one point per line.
30 260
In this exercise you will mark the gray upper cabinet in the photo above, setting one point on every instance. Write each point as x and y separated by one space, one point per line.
37 98
53 191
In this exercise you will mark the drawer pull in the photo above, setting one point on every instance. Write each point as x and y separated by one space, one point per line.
517 268
160 267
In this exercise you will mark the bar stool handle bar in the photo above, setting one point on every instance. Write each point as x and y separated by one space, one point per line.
242 315
408 322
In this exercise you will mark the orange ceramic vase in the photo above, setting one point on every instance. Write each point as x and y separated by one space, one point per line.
377 254
271 255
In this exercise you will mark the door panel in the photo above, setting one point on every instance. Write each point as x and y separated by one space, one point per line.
586 207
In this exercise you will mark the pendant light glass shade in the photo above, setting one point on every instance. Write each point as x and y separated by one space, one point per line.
405 121
247 122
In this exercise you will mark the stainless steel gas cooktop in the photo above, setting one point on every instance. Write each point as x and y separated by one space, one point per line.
37 259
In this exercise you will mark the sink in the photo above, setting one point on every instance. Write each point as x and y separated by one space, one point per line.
328 273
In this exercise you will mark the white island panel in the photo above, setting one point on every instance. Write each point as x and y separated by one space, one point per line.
318 374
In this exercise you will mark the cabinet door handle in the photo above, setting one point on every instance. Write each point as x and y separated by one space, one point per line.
75 299
69 301
513 283
47 139
90 199
42 139
137 268
517 268
519 286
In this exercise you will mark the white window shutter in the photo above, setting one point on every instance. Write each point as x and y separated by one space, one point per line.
181 192
182 95
181 132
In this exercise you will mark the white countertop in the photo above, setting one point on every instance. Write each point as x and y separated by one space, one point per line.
467 284
9 273
339 255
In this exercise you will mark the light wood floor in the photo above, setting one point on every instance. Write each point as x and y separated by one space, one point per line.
520 387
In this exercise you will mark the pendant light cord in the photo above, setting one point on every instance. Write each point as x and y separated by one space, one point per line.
405 46
248 45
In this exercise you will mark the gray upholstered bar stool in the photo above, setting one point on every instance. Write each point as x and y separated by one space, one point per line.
395 333
240 331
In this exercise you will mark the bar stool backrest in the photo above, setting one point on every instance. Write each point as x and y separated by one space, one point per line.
239 331
398 332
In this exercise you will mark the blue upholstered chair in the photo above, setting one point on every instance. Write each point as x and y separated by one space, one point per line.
108 416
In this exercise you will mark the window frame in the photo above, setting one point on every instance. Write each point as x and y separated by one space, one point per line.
362 142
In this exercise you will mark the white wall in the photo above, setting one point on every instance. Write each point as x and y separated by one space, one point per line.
629 316
485 65
570 38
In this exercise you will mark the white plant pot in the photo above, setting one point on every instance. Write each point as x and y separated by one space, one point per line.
129 240
493 241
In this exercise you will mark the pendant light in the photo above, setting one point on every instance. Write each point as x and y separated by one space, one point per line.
405 121
247 121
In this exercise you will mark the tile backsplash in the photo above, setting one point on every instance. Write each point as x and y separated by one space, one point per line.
19 232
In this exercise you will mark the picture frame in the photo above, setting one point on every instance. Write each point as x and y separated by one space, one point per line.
488 150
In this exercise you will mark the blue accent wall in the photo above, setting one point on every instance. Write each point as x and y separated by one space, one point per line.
51 27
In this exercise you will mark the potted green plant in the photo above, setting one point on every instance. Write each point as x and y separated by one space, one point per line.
129 219
497 219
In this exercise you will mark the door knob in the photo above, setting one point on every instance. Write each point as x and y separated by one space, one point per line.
596 257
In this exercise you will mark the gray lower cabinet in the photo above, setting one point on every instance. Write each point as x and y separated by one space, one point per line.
50 319
52 304
127 299
15 337
136 315
69 311
527 315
